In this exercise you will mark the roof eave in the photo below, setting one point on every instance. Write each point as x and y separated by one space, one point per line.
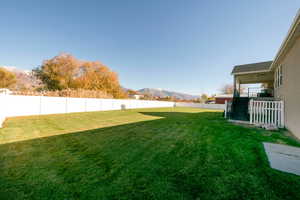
288 37
250 72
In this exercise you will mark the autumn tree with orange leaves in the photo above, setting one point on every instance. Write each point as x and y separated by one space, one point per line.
7 78
66 72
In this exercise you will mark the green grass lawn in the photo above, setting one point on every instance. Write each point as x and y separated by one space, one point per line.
166 153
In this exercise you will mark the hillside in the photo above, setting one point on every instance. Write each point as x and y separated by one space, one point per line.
25 78
165 93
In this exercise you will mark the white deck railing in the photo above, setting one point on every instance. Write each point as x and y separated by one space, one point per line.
267 113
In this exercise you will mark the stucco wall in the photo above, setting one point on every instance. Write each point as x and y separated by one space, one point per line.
289 91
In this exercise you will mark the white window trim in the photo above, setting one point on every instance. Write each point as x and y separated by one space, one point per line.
278 77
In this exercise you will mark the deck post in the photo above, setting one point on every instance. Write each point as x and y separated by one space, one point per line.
282 114
235 92
225 115
251 111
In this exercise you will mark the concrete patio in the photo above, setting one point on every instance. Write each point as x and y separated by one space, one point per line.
284 158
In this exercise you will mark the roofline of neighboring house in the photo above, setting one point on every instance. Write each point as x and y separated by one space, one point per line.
289 36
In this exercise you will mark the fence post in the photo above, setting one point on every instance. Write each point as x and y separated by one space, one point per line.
85 104
40 106
66 105
99 104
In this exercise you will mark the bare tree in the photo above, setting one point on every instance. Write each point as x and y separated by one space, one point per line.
227 89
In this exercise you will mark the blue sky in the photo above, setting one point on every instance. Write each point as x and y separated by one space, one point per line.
181 45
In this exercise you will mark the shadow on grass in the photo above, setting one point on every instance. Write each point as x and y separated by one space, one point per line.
62 131
180 156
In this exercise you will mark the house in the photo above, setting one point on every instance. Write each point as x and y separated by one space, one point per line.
280 89
223 98
210 100
5 91
136 96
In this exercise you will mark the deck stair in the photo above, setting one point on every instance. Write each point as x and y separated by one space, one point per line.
240 109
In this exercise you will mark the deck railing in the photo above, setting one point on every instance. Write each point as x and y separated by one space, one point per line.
267 113
259 92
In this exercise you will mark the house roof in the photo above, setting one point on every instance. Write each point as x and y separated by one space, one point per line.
229 95
292 35
251 68
224 96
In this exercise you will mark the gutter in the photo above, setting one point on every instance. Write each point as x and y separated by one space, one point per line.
251 72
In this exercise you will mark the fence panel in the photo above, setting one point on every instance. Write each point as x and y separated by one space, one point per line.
17 105
267 113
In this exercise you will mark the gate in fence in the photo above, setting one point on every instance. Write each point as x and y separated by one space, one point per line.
267 113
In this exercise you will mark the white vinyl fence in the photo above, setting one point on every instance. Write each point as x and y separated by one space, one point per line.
15 105
267 113
202 105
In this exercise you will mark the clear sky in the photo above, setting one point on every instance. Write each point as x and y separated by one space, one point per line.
181 45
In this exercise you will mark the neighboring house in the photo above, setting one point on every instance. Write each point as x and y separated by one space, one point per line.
223 98
5 91
210 100
281 82
136 96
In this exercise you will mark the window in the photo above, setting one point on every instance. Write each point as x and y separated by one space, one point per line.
278 77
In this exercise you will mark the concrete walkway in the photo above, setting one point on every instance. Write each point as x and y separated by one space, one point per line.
284 158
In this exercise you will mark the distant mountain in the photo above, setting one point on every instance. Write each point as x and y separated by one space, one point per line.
25 78
16 70
165 93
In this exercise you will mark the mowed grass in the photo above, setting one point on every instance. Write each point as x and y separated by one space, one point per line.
166 153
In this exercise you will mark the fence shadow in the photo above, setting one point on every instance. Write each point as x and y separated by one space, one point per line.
148 124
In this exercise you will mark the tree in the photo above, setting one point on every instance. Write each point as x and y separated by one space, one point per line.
204 98
132 92
227 89
7 78
66 72
96 76
59 72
